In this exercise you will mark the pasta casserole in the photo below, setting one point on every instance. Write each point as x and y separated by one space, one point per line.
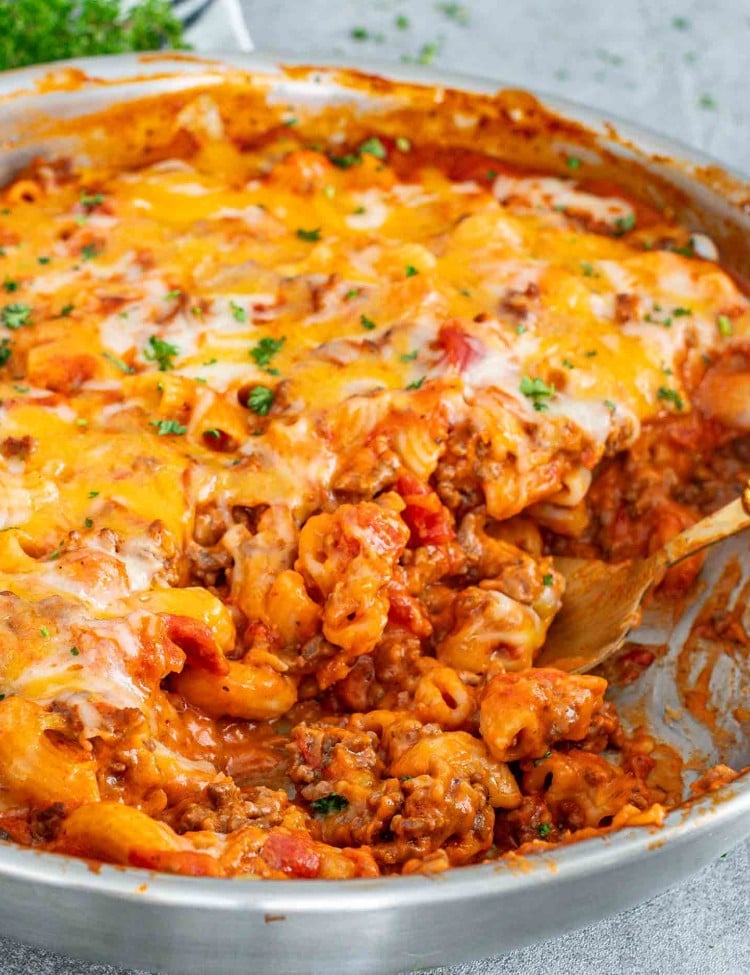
290 434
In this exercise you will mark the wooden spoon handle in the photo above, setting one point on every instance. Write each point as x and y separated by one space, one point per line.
729 520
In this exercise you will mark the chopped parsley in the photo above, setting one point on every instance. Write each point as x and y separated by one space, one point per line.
5 351
166 427
264 350
10 286
21 389
93 494
117 362
544 829
537 391
610 405
74 651
44 260
670 396
367 323
708 102
161 352
15 315
213 432
44 631
428 52
333 802
353 293
66 310
417 384
410 270
344 162
724 325
624 224
457 12
260 400
590 354
403 144
173 294
573 162
410 356
310 235
402 22
589 271
91 200
238 312
681 23
568 364
520 329
548 579
373 147
89 251
359 33
681 312
89 523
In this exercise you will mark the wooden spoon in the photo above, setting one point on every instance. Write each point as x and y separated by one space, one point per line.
602 602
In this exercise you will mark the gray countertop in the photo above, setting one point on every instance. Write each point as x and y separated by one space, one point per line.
682 69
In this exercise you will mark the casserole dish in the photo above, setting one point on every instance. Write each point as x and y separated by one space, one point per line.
187 924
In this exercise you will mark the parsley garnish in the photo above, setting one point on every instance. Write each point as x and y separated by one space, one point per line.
373 147
311 235
264 350
520 329
89 523
428 52
410 270
590 354
359 33
32 34
410 356
402 22
403 144
353 293
724 325
91 200
117 362
43 260
165 427
5 351
89 251
74 651
93 494
589 271
671 396
456 12
417 384
66 310
610 405
624 224
10 286
173 294
568 364
538 392
681 312
161 352
367 323
573 162
333 802
708 102
44 631
238 312
15 315
548 579
260 400
544 829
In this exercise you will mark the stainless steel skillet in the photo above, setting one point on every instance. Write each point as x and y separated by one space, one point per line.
189 925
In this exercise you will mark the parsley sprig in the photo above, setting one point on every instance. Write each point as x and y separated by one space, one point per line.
538 392
32 32
161 352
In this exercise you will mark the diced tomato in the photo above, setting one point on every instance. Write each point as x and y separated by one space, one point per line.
460 348
197 643
427 518
292 853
